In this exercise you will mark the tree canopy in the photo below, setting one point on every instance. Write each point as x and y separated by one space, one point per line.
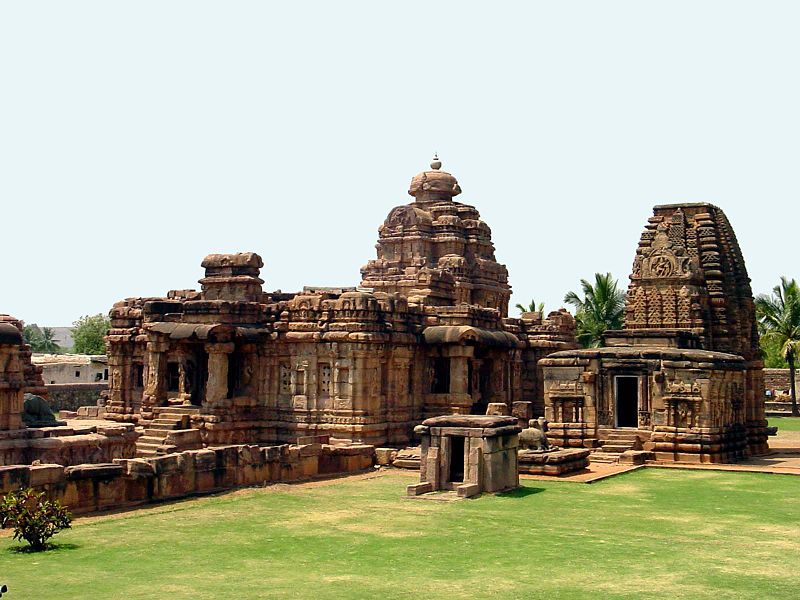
88 333
779 324
601 308
532 307
40 339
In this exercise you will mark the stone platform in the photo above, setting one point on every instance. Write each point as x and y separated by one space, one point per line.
553 462
77 442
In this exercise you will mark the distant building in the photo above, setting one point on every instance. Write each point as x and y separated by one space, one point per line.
72 368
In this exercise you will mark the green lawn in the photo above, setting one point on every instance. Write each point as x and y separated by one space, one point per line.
785 423
653 533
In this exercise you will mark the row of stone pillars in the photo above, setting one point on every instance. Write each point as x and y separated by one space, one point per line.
216 386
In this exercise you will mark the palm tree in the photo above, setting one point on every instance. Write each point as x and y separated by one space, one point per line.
48 341
779 322
601 308
532 307
40 339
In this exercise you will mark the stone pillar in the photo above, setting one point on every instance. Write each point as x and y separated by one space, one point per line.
217 384
155 389
11 384
459 373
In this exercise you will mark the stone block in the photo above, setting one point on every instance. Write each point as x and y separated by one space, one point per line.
523 411
40 475
468 490
419 488
385 456
497 408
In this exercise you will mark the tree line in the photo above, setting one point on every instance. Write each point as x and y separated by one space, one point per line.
87 336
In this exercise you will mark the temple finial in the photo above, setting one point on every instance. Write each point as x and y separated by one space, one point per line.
436 164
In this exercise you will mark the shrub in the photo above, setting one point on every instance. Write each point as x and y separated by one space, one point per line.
34 518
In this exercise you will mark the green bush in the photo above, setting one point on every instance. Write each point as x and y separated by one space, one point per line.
34 518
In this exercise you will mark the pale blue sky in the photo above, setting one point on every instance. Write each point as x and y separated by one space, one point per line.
137 137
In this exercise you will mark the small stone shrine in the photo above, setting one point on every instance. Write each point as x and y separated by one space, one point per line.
469 454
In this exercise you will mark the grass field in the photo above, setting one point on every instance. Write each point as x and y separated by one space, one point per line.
785 423
653 533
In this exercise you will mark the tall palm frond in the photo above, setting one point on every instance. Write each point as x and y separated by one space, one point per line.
601 308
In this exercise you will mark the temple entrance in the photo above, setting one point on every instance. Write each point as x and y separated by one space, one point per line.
456 474
626 391
196 376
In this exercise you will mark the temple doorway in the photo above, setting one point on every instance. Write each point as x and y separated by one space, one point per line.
456 474
626 392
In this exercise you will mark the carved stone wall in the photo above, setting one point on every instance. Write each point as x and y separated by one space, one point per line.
425 336
690 342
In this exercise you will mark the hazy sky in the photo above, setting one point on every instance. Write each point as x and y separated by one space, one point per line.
137 137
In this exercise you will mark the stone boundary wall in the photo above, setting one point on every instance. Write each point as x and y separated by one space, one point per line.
69 396
776 379
125 483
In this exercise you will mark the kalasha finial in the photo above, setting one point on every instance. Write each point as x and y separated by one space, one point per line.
436 164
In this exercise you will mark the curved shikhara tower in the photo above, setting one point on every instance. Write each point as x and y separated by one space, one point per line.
684 376
437 250
689 275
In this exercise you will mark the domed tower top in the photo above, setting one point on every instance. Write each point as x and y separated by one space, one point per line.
434 185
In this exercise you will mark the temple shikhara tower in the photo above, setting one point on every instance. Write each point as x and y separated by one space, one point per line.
684 377
438 251
426 333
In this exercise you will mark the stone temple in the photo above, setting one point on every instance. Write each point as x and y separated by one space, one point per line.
684 378
427 333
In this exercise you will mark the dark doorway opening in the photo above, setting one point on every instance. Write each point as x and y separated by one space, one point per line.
173 377
627 401
199 389
234 374
441 375
456 459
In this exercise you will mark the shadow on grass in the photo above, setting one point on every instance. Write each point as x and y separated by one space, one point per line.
48 548
520 492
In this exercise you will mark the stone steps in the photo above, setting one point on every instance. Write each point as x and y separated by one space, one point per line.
169 432
604 457
616 448
145 449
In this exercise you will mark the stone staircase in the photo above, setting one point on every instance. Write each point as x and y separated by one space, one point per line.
170 432
613 442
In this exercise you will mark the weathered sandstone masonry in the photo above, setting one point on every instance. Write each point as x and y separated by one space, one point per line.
19 444
468 454
18 375
684 378
124 483
425 334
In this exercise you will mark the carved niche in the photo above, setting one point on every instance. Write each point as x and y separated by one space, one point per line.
666 258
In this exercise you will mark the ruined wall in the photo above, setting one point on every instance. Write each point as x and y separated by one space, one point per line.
71 396
126 483
777 380
68 445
